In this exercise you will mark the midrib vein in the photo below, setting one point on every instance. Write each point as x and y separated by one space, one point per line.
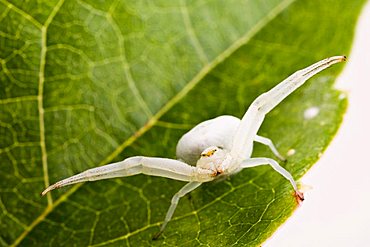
44 156
195 80
40 97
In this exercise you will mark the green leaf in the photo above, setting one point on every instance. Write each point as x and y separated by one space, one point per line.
85 83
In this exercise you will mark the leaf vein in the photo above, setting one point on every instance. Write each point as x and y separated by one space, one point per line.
22 13
126 67
191 32
18 99
258 221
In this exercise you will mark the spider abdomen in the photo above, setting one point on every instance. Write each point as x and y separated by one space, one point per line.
214 132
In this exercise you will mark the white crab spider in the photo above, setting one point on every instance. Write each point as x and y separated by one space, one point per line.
214 148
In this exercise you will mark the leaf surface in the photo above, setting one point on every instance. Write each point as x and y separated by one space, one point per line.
85 83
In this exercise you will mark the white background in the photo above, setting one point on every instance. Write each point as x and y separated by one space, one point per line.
336 211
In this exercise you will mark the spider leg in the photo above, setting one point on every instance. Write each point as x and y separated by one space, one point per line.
252 162
270 144
175 199
253 118
161 167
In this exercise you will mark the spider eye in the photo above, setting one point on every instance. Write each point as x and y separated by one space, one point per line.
209 153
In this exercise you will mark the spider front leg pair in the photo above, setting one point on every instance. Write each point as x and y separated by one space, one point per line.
212 149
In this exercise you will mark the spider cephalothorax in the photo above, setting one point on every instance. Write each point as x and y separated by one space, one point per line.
215 159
